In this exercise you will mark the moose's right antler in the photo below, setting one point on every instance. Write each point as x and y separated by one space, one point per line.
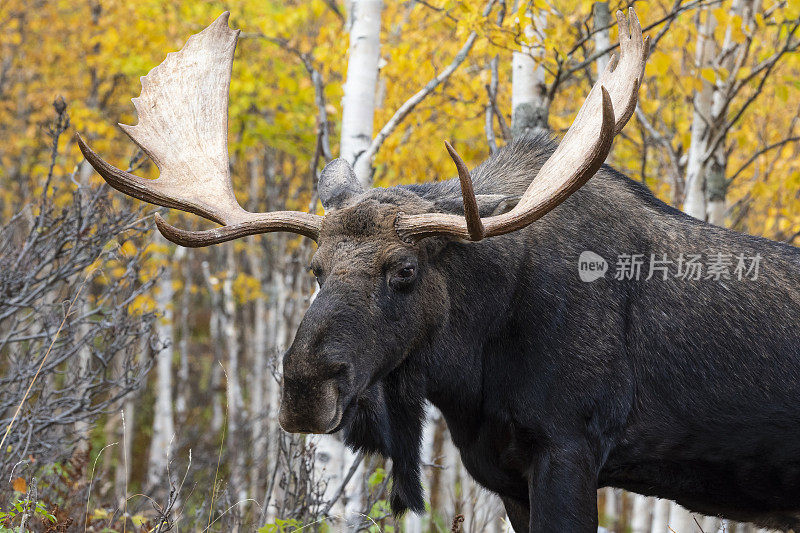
607 108
183 128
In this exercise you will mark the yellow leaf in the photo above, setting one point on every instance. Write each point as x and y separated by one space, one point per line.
20 485
782 92
721 15
660 62
143 303
709 75
793 9
100 514
737 35
128 249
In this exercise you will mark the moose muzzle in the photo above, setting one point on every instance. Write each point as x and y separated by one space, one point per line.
310 407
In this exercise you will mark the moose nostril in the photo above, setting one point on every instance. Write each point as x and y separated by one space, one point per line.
311 408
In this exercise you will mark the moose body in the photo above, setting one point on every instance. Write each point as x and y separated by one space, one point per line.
466 293
552 387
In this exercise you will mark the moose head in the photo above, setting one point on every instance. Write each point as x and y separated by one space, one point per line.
383 290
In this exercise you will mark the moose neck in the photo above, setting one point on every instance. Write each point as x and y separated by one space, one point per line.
484 280
447 370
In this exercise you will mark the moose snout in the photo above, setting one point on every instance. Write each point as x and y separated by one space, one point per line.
311 405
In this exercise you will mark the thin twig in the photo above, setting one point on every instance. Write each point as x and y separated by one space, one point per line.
409 105
41 364
219 455
760 153
345 481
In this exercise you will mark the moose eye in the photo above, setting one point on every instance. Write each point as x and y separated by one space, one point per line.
406 272
403 277
318 274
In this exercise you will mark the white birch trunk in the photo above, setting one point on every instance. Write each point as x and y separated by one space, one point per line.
695 201
448 495
258 405
611 506
413 521
277 337
234 388
730 57
358 102
163 424
641 512
122 474
530 104
82 428
660 517
214 320
710 524
354 505
182 390
681 520
602 35
258 349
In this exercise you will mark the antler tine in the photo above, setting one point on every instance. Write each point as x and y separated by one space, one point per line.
607 108
471 213
183 128
624 73
151 191
305 224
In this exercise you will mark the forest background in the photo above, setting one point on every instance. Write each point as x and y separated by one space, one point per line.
139 380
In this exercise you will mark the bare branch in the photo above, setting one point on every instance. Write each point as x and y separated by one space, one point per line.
345 481
667 18
761 152
674 159
491 91
767 66
409 105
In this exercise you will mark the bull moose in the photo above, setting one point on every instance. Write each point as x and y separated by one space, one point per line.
466 293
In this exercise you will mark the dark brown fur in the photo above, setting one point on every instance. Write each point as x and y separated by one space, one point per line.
552 387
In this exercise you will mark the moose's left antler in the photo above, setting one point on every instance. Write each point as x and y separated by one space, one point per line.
607 108
183 128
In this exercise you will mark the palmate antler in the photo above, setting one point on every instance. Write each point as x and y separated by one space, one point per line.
580 154
183 128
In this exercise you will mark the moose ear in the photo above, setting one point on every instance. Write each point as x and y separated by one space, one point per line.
337 183
488 204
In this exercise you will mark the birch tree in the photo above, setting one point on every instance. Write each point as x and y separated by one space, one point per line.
530 100
223 337
163 422
730 58
358 102
182 389
602 33
641 510
258 348
611 507
660 522
695 201
680 519
233 386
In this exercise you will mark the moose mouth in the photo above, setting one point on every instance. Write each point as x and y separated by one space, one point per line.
343 416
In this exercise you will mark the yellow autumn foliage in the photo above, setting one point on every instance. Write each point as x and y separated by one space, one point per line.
93 53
